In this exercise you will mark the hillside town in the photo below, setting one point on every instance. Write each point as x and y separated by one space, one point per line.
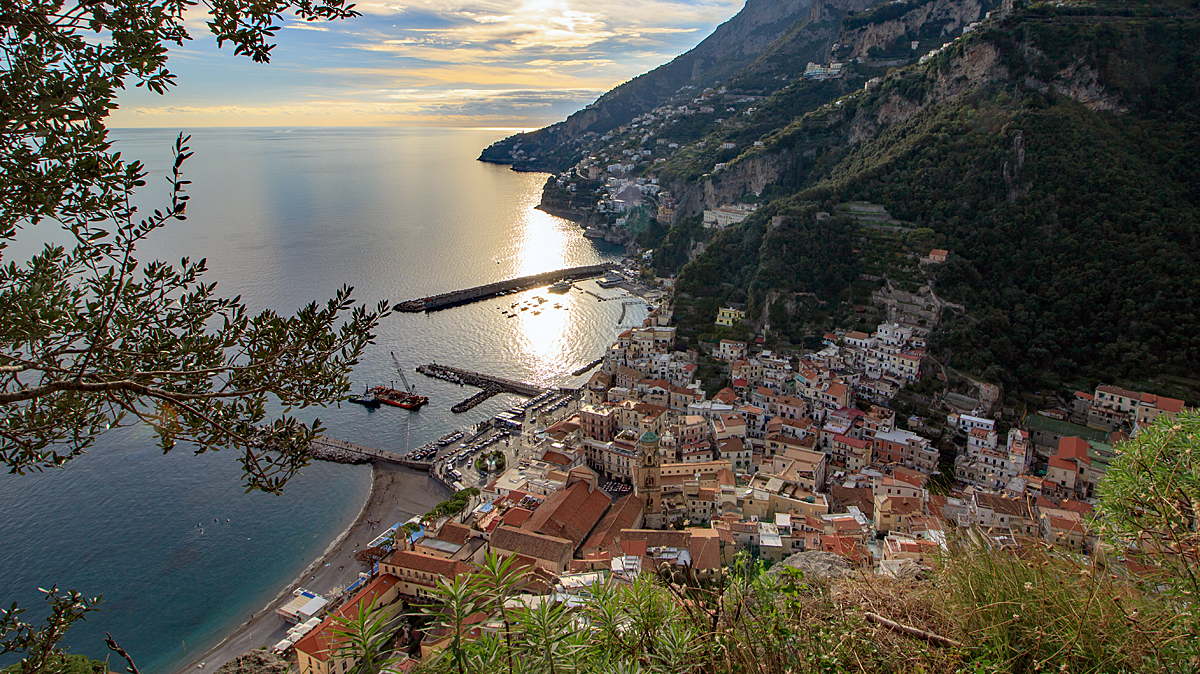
642 471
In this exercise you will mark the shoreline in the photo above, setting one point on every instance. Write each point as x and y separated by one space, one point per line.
264 628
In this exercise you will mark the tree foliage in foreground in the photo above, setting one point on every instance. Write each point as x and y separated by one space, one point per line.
981 610
93 337
365 636
1150 504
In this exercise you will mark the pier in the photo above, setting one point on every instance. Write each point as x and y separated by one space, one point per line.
458 297
587 367
491 385
624 307
602 298
340 451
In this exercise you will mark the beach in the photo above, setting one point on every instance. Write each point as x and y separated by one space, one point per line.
397 493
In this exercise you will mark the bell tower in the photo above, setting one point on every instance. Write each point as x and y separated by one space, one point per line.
647 479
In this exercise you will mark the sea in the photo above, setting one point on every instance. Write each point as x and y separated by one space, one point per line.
179 552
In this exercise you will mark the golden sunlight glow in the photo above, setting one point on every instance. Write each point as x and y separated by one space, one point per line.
543 331
540 243
542 239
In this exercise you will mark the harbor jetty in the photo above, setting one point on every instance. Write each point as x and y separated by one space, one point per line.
340 451
490 385
587 367
458 297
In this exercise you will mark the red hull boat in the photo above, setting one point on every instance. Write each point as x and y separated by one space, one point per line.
397 398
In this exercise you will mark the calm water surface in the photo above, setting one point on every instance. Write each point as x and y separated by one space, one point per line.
286 217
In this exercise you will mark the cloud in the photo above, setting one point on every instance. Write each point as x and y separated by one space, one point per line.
434 61
526 109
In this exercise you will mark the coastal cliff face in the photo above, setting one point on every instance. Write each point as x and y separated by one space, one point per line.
745 177
732 46
1007 146
826 10
937 19
993 144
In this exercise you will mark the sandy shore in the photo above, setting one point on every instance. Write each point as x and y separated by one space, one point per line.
397 493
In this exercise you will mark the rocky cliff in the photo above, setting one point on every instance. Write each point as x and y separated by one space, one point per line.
732 46
937 20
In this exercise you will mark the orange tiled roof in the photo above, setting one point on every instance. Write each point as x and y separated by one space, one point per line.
320 642
570 513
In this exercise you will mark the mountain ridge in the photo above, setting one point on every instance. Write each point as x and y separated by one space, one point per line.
1046 146
736 42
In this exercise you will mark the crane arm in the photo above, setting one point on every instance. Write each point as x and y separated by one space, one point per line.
400 371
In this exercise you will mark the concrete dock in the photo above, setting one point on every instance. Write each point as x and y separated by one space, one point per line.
457 297
491 385
340 451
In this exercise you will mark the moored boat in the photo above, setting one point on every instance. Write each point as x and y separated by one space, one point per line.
397 398
367 399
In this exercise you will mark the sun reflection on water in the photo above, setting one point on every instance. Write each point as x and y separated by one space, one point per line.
541 240
545 334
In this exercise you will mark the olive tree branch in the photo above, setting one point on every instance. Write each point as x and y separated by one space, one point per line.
112 645
122 385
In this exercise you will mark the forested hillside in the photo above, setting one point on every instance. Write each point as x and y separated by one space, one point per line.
1052 152
1049 146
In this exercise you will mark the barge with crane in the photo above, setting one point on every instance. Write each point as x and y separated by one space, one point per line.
406 398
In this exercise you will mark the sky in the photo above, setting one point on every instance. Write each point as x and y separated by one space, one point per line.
481 63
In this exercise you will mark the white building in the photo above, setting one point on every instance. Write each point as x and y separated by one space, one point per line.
723 216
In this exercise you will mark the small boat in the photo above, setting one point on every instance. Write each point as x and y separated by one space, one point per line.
367 399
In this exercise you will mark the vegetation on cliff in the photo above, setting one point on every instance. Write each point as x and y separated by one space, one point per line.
736 44
1052 154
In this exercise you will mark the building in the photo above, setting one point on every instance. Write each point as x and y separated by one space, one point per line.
816 71
647 484
418 574
598 422
547 552
728 316
571 513
728 349
906 449
722 217
318 652
1070 469
852 453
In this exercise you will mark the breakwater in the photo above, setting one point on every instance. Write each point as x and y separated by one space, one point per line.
340 451
475 400
459 297
587 367
491 385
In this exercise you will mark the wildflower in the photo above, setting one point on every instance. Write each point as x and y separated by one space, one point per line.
1028 586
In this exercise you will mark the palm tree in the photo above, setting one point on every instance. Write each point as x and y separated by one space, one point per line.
365 638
